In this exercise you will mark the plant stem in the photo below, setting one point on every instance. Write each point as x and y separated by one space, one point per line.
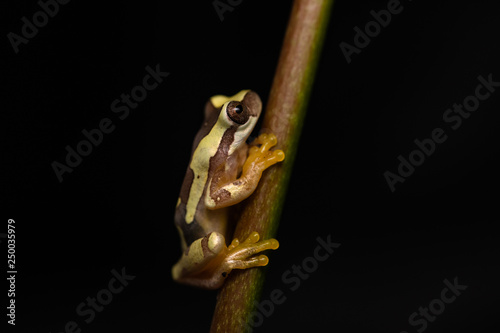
284 117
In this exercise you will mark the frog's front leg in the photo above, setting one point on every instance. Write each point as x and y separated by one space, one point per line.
207 262
260 157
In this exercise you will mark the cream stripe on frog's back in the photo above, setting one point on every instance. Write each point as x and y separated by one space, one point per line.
200 161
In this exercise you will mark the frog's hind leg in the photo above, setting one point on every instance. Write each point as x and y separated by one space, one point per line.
208 261
200 256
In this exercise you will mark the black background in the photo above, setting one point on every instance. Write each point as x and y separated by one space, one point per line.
116 209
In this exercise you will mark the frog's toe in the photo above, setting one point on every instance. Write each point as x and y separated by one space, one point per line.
251 246
267 141
275 157
253 238
263 160
233 244
257 261
241 255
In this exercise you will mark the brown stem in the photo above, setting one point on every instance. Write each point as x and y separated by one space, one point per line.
284 117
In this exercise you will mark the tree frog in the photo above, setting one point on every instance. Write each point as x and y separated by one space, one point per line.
223 171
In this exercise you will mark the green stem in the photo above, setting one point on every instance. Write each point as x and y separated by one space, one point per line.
284 117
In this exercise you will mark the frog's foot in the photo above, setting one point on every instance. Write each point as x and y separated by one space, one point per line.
207 262
260 156
240 255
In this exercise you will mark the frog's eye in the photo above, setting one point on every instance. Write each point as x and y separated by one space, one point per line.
237 112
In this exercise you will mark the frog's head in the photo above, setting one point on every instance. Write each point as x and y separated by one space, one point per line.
235 116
